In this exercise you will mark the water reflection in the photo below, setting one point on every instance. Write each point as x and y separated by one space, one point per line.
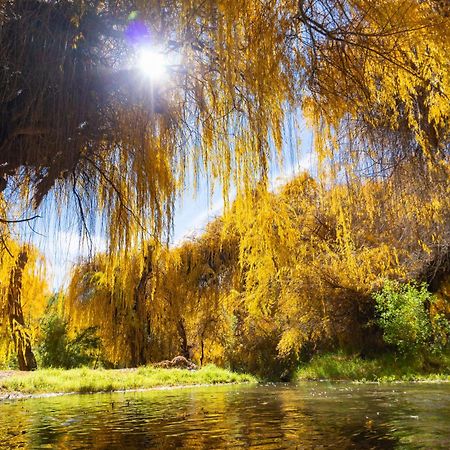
312 415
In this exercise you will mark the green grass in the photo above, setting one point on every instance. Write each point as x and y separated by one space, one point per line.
385 368
99 380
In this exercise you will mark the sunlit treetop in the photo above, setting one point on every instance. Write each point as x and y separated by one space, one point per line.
109 104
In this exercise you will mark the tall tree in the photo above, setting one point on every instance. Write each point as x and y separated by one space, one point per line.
22 341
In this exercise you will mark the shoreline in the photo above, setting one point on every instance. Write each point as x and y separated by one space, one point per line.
17 395
382 369
55 382
379 382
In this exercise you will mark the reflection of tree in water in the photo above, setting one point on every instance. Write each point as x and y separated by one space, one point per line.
379 437
13 437
135 423
308 422
278 417
27 428
233 416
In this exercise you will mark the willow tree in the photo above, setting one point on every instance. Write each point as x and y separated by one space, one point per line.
23 299
111 298
169 305
78 119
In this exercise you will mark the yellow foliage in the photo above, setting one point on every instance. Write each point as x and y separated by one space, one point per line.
280 271
34 294
371 77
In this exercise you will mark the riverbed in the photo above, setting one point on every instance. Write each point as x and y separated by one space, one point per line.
266 416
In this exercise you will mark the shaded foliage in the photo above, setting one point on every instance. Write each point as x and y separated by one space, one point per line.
57 349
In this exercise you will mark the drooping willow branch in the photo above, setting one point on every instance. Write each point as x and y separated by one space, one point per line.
28 219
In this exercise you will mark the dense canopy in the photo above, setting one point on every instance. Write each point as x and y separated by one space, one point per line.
78 118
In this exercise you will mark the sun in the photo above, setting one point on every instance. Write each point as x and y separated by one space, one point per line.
152 64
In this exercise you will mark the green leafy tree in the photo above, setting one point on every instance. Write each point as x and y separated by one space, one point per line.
57 349
403 315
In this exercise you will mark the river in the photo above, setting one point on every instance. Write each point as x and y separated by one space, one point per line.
270 416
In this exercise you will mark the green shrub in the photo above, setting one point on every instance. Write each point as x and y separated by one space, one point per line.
403 315
440 331
56 349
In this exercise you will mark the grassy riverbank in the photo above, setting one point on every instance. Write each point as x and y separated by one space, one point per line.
99 380
385 368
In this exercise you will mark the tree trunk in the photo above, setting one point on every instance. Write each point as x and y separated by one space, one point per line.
184 347
203 352
22 343
140 327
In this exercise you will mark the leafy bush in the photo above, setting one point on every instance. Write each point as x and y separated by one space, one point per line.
57 349
441 331
403 315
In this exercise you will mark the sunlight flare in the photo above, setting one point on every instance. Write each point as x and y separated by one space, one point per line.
152 64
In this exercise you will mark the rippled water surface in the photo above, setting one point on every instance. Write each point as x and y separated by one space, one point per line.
310 415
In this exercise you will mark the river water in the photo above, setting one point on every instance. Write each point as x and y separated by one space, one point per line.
272 416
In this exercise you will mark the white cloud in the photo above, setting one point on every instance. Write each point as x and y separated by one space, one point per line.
197 222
